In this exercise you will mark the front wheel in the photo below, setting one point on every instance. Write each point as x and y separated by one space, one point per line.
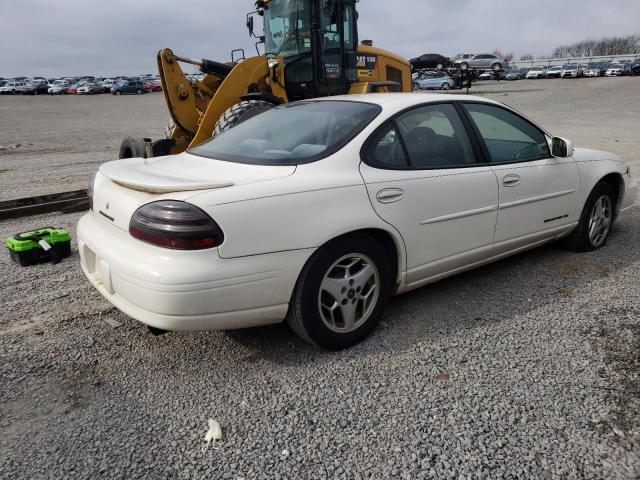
464 66
595 222
341 293
117 92
445 86
139 92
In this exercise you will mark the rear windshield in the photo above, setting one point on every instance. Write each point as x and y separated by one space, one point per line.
291 134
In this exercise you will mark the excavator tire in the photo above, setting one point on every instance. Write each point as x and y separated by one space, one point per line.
133 148
239 113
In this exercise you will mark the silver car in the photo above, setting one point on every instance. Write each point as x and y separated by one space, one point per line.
483 61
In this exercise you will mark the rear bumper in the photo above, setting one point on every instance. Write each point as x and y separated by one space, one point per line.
186 291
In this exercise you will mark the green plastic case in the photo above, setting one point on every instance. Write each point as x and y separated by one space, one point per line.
25 250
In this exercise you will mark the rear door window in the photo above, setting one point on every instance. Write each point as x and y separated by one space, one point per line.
428 137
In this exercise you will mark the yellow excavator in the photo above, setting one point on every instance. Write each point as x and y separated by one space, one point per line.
311 49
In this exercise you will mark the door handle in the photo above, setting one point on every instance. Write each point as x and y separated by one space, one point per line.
511 180
390 195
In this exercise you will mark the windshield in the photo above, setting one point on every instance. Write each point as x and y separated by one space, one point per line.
287 27
291 134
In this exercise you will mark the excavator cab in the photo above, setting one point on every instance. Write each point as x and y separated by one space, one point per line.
317 40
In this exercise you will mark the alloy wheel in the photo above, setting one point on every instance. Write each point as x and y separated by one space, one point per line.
349 293
600 221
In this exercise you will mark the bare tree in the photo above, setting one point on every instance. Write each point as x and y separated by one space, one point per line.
526 56
603 47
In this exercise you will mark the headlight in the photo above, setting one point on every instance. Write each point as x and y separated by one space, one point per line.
273 62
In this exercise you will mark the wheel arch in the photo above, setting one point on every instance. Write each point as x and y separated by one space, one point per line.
616 182
390 242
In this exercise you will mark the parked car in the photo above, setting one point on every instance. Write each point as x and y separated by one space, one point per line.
107 83
512 74
151 86
430 60
571 70
39 86
414 198
90 89
635 68
15 88
435 81
627 68
58 87
486 76
553 72
73 89
615 70
593 70
536 72
484 61
128 86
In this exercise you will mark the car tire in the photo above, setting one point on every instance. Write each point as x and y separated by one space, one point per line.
133 148
445 86
309 315
598 214
240 112
139 92
439 67
117 92
496 67
464 66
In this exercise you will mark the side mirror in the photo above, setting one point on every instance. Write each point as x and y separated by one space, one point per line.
561 147
250 25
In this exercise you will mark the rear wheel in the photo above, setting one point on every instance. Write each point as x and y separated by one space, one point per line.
133 148
496 67
341 293
464 66
445 86
439 66
595 222
139 92
240 112
117 92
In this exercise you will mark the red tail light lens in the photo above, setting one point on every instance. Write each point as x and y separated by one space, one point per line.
175 225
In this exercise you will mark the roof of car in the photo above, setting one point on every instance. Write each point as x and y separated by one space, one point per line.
394 100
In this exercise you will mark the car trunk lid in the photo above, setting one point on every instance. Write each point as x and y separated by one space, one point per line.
122 186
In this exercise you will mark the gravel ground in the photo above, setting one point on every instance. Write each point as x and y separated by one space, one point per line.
63 139
527 368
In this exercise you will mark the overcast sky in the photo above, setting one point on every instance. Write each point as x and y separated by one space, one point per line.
74 37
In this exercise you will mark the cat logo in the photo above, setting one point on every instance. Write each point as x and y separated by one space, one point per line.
366 62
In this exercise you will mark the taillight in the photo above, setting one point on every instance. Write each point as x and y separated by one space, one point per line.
176 225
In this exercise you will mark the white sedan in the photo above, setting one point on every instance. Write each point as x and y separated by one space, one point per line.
317 212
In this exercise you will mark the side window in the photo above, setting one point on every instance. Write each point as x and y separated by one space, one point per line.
423 138
508 137
394 75
434 137
386 149
349 28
